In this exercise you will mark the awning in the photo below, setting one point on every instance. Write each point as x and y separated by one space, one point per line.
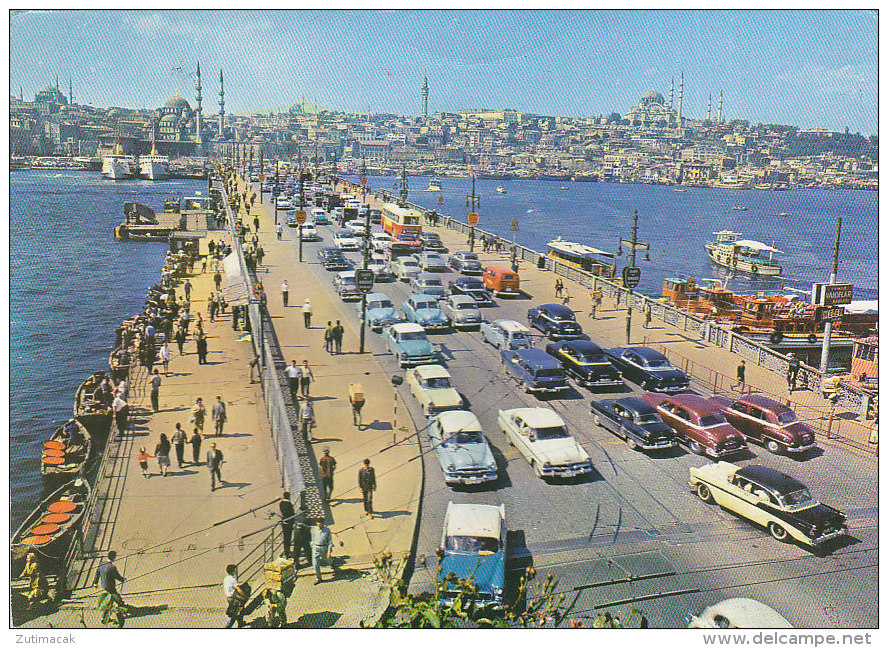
234 289
756 245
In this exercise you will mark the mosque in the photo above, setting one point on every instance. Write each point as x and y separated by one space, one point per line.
653 110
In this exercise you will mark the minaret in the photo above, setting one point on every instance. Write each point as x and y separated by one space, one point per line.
70 93
681 85
425 98
671 90
720 97
221 104
709 109
198 139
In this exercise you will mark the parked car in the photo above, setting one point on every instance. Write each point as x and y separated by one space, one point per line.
634 420
767 422
345 285
380 311
379 241
535 370
319 216
431 262
309 233
473 287
461 448
406 242
501 281
698 423
770 498
585 362
405 267
291 219
357 227
423 310
432 388
465 263
346 240
506 334
474 547
648 368
738 613
541 437
408 343
428 284
462 311
555 321
432 241
375 216
283 202
332 259
380 271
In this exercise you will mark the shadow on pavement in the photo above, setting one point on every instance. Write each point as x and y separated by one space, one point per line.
316 620
145 610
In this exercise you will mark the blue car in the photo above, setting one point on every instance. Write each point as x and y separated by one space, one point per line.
408 343
535 370
423 310
557 322
380 311
474 545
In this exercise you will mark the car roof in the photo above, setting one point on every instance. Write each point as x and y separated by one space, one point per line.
474 520
538 357
557 309
455 420
424 276
634 404
770 478
511 325
346 274
695 403
647 353
345 232
432 371
462 299
463 253
408 327
423 297
466 280
586 346
764 403
376 296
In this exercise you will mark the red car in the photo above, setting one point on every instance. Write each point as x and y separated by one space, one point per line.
767 422
698 423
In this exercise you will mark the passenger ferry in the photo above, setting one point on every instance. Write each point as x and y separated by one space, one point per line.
397 219
582 257
501 190
743 255
117 166
434 185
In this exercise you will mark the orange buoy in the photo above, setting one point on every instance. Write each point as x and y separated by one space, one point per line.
45 529
53 461
36 541
59 445
56 518
64 506
53 452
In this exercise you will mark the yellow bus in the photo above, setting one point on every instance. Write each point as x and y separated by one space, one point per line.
583 257
397 219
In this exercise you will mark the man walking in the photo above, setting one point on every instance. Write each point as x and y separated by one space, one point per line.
741 376
321 545
285 293
121 410
288 520
559 286
165 357
199 414
178 440
367 484
792 372
306 377
107 577
155 391
236 596
201 349
219 415
195 441
293 374
328 338
217 279
180 339
302 538
214 464
307 312
338 332
187 290
326 466
306 418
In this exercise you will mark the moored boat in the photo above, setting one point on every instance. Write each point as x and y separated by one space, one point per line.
434 185
583 257
501 190
65 453
92 412
743 255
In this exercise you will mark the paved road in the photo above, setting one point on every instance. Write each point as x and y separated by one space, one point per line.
636 510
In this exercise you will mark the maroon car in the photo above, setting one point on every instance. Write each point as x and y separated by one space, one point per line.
767 422
698 423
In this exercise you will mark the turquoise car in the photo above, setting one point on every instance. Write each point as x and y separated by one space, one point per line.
423 310
462 449
408 343
380 311
474 545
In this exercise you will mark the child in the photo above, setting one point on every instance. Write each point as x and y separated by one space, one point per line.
143 462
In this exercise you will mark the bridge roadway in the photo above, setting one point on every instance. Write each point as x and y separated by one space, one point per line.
635 514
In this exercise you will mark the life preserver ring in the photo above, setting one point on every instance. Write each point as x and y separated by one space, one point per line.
812 339
754 269
776 337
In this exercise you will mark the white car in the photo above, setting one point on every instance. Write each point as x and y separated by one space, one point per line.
346 286
506 334
542 438
405 268
356 226
309 233
379 241
431 386
346 240
283 202
319 215
462 450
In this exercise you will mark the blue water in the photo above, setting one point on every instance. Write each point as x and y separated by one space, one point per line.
71 284
677 225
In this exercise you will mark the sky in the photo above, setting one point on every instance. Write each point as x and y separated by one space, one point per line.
806 68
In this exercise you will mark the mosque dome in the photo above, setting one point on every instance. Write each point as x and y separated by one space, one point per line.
178 103
653 97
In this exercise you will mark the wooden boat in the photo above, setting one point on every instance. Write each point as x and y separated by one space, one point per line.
48 529
119 369
95 415
66 453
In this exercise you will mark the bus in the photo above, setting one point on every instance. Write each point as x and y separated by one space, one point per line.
583 257
397 219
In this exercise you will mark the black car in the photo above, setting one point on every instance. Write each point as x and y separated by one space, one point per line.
473 287
586 362
332 259
375 216
432 242
465 263
555 321
635 421
649 369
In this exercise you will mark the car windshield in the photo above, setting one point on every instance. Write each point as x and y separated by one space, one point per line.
648 418
548 373
347 281
470 257
436 383
412 335
787 418
467 436
557 432
432 282
563 317
711 420
797 499
409 263
426 304
469 544
382 303
591 357
466 306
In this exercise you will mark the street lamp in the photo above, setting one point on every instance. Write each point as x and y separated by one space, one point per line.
366 251
472 216
631 273
302 209
396 382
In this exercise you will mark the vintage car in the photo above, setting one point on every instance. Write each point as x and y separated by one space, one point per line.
346 240
332 259
405 267
506 334
474 547
379 241
357 227
406 243
345 285
767 497
408 343
309 232
423 310
283 202
635 421
431 262
466 263
473 287
291 219
585 362
380 271
380 311
557 322
462 449
767 422
698 423
462 311
375 215
501 281
319 216
428 284
432 241
738 613
541 437
648 368
535 370
431 386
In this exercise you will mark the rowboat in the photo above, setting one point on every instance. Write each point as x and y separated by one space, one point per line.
48 529
94 414
66 453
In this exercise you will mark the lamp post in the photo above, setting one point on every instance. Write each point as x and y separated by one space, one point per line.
396 382
827 330
631 273
261 172
301 208
366 252
471 202
277 190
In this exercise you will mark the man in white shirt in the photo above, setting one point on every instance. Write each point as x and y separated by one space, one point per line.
234 610
305 377
165 357
293 373
285 293
120 412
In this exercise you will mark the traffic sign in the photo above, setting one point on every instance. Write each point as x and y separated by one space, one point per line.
276 190
300 216
261 177
833 314
631 275
363 180
364 280
472 219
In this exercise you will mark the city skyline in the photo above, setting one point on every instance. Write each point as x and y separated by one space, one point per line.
552 63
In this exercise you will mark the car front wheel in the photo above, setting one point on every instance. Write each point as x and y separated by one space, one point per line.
596 420
778 532
696 448
704 494
772 446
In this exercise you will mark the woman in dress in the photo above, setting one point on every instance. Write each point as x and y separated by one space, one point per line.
162 452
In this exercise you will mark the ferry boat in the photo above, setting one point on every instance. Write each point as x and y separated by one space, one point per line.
18 163
154 166
117 166
582 257
743 255
740 208
501 190
865 365
434 185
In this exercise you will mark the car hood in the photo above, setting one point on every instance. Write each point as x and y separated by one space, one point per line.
468 455
487 572
560 451
655 430
415 347
448 397
430 315
383 313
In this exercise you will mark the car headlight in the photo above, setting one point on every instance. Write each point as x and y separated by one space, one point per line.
547 464
451 468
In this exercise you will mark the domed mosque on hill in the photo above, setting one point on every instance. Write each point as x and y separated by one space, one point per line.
653 110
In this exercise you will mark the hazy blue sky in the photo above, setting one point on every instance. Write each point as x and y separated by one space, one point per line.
810 68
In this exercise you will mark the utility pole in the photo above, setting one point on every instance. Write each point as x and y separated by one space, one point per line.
827 330
471 203
631 276
403 192
302 209
277 189
261 172
366 251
